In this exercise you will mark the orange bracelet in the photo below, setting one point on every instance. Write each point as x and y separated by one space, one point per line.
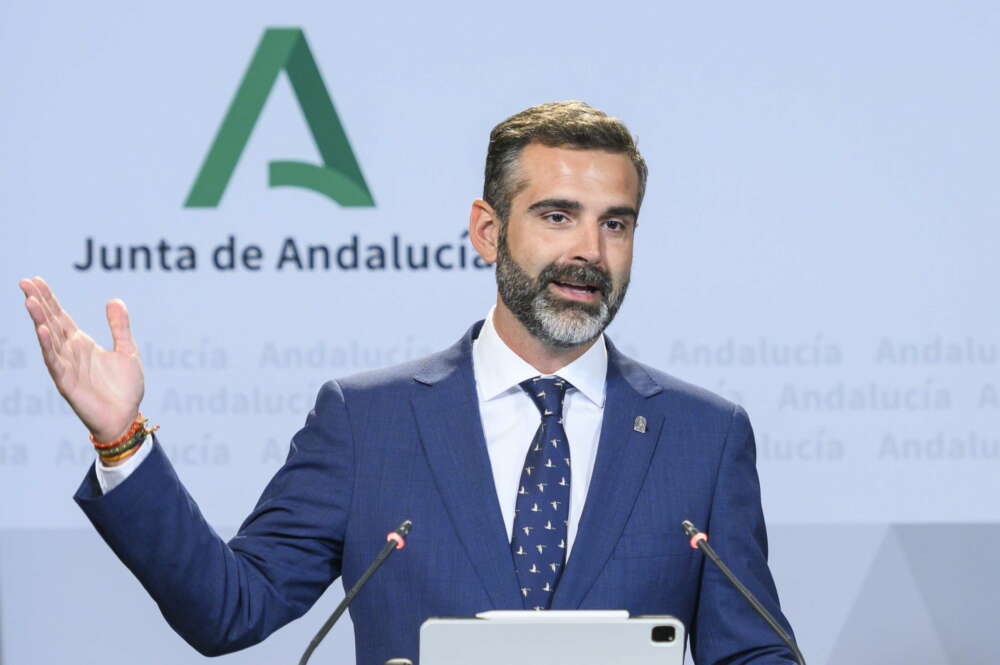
136 424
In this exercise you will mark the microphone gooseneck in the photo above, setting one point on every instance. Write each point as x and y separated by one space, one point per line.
395 540
699 541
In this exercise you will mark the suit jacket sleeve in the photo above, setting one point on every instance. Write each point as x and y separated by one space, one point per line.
220 596
727 630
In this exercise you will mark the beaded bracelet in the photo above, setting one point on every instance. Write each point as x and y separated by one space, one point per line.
136 424
126 445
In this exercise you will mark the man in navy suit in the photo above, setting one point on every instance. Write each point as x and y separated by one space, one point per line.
443 441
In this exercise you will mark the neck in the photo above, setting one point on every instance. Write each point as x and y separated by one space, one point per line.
546 359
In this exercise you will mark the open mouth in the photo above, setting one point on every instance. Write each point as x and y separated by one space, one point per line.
578 289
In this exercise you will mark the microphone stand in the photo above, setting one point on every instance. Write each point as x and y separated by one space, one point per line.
396 540
699 541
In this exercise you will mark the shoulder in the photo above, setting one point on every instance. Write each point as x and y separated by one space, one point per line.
392 379
383 394
690 394
399 382
680 400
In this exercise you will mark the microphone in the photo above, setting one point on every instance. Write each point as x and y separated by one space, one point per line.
395 540
699 541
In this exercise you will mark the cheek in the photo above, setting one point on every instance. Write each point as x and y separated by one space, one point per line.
620 264
534 257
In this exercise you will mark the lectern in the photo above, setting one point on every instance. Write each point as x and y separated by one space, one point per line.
553 637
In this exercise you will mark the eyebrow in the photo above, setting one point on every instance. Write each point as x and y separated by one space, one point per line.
575 206
564 204
621 211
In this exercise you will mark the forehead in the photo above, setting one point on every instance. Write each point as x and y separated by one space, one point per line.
583 174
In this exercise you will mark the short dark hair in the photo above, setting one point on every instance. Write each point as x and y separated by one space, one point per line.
556 124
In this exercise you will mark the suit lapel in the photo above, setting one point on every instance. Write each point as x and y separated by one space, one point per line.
447 414
623 456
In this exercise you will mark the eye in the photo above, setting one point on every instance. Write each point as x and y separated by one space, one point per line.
556 217
615 224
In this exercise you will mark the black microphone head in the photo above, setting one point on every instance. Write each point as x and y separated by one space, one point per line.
690 530
404 528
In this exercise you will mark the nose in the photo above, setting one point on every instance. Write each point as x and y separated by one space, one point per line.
587 244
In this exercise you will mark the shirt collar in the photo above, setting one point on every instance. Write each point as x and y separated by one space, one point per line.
498 369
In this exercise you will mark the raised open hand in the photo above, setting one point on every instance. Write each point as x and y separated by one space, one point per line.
103 387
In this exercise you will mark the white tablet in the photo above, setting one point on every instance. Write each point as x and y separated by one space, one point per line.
554 637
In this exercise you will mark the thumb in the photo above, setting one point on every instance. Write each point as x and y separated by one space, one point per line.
120 331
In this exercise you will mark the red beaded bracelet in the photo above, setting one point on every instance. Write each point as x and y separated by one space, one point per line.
136 424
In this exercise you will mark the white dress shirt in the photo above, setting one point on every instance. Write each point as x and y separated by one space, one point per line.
510 419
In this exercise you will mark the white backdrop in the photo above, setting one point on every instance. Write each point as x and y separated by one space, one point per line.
818 242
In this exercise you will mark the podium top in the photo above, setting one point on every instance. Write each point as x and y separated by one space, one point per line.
553 637
556 616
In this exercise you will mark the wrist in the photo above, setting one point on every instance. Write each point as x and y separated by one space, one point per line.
119 450
100 438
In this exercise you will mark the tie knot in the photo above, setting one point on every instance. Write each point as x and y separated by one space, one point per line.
547 394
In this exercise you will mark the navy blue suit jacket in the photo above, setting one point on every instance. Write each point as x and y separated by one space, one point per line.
407 443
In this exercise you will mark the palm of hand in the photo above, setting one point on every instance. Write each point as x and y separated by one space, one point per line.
104 387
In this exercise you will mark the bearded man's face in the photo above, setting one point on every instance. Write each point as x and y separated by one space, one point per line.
564 255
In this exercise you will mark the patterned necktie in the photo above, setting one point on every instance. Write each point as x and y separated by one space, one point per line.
542 509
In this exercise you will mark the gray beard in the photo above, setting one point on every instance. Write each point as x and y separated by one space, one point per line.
556 322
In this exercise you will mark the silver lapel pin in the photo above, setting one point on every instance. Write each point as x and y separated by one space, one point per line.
640 424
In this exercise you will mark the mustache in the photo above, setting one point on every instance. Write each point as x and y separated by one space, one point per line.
577 274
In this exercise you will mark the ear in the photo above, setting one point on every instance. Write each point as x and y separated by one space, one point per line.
484 227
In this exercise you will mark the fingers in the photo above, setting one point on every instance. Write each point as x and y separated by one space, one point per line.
39 312
48 340
121 332
53 362
60 315
38 307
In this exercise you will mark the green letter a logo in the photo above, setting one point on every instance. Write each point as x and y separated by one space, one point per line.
338 178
